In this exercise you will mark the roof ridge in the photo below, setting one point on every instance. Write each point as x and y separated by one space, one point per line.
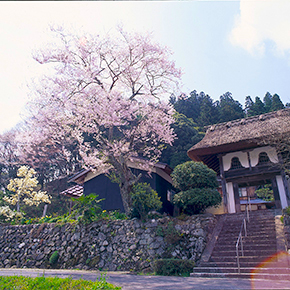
242 121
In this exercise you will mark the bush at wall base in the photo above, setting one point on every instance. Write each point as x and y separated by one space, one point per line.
173 267
53 258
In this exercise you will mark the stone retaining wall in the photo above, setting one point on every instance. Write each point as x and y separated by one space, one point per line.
105 245
286 221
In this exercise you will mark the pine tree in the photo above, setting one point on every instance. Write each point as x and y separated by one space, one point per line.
259 107
208 112
188 134
276 103
230 109
249 106
268 102
190 106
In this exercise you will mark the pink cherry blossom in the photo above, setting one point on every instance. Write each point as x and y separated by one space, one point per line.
105 97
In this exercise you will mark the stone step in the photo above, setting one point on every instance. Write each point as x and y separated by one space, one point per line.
231 253
251 234
252 223
253 247
257 225
249 231
251 228
232 264
254 259
248 240
260 239
272 270
252 219
265 276
259 245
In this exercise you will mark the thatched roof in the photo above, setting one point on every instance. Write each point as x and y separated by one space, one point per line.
241 134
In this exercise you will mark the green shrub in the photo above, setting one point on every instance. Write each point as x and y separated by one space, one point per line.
113 215
196 200
144 200
286 211
87 208
198 187
285 218
173 267
193 175
265 192
53 258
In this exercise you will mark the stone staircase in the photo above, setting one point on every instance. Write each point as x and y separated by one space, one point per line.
260 258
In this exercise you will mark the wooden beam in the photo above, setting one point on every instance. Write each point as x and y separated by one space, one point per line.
223 183
261 169
276 192
252 178
237 197
249 160
285 182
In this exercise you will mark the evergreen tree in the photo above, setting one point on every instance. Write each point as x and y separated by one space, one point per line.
208 111
229 108
276 103
188 134
190 106
268 102
249 106
259 107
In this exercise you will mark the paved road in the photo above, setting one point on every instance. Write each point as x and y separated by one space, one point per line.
136 282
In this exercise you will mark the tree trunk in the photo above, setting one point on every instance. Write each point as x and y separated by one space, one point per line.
126 197
44 210
18 202
126 180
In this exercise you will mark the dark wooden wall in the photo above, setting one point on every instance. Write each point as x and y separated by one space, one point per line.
105 188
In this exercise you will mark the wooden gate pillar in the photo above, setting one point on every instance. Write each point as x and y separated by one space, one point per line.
237 197
223 183
276 192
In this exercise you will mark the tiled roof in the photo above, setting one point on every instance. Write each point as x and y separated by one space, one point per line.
74 191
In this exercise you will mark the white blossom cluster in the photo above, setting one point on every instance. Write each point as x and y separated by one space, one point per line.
9 214
24 188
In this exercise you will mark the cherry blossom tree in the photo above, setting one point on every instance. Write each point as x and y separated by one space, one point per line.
106 94
9 156
45 154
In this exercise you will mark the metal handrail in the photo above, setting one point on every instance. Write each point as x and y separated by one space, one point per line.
240 238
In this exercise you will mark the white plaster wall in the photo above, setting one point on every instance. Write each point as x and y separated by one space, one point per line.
282 192
272 154
243 157
231 198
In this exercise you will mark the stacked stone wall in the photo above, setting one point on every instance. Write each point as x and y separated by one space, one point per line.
286 220
128 245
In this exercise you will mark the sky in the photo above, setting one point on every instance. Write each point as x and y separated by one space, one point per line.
238 46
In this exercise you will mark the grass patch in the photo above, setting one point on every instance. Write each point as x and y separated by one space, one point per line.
53 283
